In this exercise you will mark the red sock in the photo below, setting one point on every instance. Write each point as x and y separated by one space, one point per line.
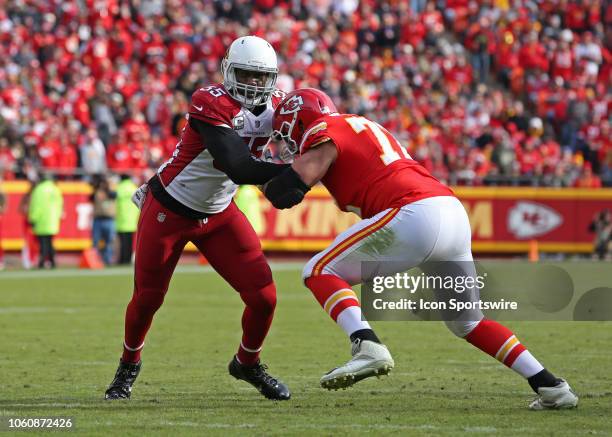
138 318
333 294
339 301
496 340
256 320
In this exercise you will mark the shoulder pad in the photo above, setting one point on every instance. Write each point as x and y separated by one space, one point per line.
213 105
316 135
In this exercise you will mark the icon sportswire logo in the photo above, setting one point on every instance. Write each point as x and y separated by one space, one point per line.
530 219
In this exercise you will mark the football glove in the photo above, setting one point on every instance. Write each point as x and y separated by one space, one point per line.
286 190
139 195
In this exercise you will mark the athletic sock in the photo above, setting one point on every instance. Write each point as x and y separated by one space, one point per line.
499 342
138 317
542 379
339 301
131 355
365 334
256 320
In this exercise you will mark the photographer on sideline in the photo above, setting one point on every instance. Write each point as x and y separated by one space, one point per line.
601 226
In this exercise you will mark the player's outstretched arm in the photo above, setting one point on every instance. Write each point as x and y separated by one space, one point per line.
289 188
233 156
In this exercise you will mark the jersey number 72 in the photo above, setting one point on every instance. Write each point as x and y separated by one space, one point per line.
390 151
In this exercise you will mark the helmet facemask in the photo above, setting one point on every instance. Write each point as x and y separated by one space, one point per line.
283 135
251 86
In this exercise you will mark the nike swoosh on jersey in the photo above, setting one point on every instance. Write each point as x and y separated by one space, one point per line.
199 108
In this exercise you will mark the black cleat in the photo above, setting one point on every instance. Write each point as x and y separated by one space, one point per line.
121 387
257 376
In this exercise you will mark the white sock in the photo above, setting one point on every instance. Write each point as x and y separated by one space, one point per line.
350 320
526 365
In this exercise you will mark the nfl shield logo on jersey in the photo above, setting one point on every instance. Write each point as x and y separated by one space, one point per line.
161 217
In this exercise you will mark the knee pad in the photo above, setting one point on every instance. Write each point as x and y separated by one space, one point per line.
262 300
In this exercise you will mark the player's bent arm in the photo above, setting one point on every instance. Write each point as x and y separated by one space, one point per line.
312 165
289 188
233 156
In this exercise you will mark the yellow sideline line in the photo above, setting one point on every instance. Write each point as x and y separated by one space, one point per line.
22 187
315 245
533 193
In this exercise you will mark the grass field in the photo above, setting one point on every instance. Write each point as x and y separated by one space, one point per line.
62 333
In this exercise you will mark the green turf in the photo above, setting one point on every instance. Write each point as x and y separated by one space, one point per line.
61 339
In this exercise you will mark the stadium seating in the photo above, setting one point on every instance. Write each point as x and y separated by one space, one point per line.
481 92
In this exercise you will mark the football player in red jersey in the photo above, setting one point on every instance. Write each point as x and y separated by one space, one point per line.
190 199
409 219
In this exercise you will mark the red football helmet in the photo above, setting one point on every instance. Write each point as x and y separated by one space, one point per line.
295 113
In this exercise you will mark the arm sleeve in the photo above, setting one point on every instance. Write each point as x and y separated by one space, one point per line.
233 156
286 190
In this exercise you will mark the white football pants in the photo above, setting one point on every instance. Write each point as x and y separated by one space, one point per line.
395 240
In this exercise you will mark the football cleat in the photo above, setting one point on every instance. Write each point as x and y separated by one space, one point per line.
258 377
561 396
121 387
369 359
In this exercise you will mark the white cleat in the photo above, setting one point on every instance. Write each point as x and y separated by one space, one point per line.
558 397
369 359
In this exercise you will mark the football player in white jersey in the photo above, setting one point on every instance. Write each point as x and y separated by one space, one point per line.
190 199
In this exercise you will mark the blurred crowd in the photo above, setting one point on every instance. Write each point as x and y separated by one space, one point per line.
480 91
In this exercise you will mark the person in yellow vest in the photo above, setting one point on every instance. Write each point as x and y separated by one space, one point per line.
126 218
248 201
45 214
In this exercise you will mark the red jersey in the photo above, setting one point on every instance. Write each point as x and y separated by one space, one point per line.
190 175
372 171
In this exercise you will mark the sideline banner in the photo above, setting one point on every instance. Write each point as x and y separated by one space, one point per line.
503 219
75 228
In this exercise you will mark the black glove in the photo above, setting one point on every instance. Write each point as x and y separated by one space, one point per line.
286 190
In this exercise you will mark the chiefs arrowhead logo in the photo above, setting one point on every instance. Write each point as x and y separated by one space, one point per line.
293 104
530 219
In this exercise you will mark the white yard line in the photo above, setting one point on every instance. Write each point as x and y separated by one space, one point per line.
127 271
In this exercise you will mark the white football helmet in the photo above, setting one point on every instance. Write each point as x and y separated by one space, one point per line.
249 70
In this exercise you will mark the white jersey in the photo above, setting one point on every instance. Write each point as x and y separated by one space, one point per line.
190 175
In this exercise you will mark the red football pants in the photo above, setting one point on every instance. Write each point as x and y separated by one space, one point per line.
232 248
